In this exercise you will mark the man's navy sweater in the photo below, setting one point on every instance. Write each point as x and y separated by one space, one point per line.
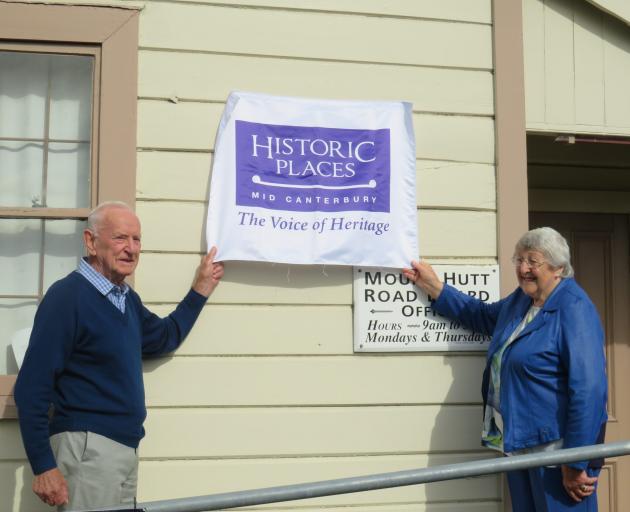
85 358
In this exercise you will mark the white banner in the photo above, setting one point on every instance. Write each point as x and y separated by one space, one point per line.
314 181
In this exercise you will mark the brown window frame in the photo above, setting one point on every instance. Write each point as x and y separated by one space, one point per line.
111 35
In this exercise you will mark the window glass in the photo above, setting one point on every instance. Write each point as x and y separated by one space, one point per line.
45 129
21 173
19 256
71 97
23 86
68 175
34 253
62 249
16 315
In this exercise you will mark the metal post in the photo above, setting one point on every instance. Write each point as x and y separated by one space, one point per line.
382 480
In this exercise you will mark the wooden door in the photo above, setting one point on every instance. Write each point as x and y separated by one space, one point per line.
600 257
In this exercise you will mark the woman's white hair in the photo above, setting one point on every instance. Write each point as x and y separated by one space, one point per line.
551 244
96 215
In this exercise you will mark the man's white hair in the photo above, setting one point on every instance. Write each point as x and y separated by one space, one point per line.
96 215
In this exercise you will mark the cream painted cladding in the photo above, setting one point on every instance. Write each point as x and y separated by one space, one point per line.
577 68
577 81
266 390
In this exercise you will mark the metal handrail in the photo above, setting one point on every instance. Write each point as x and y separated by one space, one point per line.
381 480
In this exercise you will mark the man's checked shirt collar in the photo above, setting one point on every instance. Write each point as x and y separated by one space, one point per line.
115 294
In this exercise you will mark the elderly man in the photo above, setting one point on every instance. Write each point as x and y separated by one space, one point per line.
85 358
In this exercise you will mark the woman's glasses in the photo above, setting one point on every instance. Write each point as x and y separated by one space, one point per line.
530 263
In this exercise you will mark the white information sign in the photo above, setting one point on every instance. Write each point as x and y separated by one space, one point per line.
391 314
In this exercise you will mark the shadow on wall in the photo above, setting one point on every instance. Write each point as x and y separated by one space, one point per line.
28 501
455 438
16 494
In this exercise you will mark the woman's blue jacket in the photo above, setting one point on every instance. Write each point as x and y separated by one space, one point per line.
553 375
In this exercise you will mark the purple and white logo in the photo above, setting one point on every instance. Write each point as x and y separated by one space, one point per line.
307 169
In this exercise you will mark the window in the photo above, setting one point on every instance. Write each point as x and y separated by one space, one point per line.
46 114
68 81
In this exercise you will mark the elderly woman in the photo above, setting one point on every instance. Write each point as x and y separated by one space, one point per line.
544 386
